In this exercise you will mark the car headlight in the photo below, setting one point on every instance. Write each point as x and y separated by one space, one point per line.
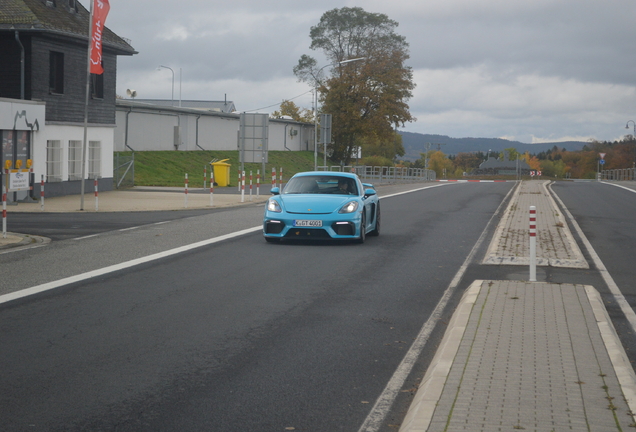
273 206
350 207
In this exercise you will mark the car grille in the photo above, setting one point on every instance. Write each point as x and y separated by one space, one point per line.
306 233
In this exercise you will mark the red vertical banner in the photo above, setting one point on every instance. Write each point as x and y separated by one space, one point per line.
100 11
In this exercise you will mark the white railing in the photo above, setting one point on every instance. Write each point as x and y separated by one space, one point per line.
384 174
618 174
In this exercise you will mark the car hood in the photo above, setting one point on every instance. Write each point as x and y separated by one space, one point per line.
314 204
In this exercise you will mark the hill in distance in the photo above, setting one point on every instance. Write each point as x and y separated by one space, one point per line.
415 143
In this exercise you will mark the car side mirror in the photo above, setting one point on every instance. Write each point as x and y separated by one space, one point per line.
275 191
369 192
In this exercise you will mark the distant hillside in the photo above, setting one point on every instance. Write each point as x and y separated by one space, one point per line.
415 143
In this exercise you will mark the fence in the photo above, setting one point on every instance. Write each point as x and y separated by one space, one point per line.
618 174
124 170
385 174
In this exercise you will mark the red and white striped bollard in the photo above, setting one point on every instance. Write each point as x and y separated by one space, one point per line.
533 244
96 198
211 188
186 191
42 193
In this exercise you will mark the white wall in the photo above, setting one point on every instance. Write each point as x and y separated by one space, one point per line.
66 134
153 129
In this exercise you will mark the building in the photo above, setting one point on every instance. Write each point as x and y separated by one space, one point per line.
503 166
146 126
43 52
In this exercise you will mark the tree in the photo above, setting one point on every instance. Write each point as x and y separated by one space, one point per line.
290 109
367 99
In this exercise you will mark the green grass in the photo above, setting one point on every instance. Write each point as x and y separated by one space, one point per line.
168 168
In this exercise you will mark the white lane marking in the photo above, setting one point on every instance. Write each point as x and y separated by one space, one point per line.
121 266
382 406
622 187
414 190
86 237
129 229
614 289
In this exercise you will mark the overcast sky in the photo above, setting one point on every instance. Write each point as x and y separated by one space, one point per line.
526 70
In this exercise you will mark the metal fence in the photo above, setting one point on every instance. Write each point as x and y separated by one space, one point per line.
618 174
124 170
385 174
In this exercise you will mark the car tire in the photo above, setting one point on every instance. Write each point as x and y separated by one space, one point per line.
376 230
363 233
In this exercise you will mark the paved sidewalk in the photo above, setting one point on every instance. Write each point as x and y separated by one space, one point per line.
556 246
136 199
528 356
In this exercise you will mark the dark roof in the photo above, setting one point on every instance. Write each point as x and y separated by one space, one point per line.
503 164
37 16
220 106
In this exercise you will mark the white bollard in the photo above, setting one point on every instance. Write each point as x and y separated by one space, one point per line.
258 182
533 244
250 185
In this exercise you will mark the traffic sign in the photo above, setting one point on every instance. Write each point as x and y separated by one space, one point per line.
602 161
602 155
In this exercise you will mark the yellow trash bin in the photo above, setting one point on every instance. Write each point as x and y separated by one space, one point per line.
221 172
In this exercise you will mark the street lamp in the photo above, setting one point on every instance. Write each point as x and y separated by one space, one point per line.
316 82
166 67
634 137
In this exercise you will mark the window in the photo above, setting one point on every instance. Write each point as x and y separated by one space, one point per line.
72 5
94 159
97 85
56 72
53 161
75 160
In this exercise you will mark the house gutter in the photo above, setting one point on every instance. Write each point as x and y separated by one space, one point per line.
17 39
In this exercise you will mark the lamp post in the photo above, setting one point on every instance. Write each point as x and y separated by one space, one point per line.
316 111
166 67
634 137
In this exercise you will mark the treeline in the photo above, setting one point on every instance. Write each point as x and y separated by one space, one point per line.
556 162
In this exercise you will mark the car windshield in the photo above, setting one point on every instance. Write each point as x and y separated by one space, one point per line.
321 184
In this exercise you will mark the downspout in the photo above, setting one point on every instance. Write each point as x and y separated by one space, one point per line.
17 39
285 140
126 136
196 138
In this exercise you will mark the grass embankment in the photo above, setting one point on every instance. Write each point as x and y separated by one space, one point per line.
168 168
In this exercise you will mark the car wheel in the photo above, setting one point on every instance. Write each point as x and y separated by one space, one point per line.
376 230
363 229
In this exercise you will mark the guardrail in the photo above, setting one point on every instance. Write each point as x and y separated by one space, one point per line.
618 174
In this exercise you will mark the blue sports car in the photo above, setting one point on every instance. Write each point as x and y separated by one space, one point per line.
322 205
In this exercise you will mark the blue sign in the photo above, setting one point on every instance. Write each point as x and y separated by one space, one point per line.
602 161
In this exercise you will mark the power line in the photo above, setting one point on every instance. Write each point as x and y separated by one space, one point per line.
277 104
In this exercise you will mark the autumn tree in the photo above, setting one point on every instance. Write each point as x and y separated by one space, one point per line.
366 98
290 109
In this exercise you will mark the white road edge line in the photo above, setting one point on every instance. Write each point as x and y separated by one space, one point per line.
378 413
622 187
609 281
121 266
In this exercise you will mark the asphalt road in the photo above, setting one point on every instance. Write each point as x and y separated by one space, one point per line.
244 335
239 335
